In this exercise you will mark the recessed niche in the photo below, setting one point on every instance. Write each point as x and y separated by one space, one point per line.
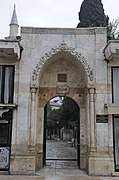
62 77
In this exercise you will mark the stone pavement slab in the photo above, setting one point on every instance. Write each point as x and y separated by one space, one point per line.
21 177
60 150
58 170
51 172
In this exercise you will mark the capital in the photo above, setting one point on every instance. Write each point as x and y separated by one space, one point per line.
91 90
33 89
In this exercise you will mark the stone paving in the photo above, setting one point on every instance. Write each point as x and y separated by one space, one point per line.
8 177
60 150
58 169
65 154
66 163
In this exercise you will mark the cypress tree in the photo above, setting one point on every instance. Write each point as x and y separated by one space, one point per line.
92 14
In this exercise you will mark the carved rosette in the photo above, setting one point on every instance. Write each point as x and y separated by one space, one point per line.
63 48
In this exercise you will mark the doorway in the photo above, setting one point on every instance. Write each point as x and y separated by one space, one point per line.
116 141
5 138
61 147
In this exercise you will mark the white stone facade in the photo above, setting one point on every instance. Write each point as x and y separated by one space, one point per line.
81 54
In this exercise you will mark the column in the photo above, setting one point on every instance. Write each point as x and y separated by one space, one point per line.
110 134
32 123
92 118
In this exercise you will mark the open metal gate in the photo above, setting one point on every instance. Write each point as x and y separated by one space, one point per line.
5 138
77 143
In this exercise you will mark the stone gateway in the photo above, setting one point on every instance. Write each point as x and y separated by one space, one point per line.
44 63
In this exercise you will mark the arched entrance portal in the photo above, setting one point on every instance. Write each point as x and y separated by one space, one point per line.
62 74
61 133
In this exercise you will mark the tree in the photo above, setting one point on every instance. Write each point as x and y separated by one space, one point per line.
69 111
112 29
53 119
92 14
66 116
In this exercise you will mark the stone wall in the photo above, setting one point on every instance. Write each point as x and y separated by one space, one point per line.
47 52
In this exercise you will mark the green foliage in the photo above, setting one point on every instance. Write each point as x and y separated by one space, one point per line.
68 112
112 29
53 118
92 14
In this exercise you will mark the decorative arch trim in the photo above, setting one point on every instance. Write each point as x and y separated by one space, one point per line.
63 48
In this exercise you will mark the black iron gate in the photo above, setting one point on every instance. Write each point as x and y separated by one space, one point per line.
44 141
77 137
5 138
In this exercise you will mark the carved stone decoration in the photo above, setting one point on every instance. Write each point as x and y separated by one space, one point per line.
63 48
7 115
4 158
62 89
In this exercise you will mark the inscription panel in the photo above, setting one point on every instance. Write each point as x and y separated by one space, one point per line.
101 118
63 89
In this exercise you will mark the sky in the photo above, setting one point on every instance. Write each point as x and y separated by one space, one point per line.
48 13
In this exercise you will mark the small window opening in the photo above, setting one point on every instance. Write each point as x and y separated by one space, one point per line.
62 77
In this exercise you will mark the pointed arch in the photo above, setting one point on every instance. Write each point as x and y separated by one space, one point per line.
64 49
